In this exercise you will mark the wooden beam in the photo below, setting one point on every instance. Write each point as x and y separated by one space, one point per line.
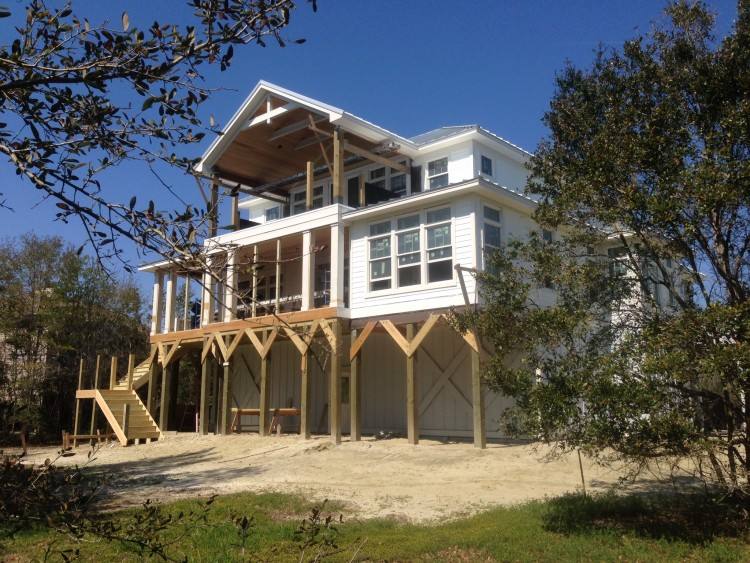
310 180
308 271
203 416
338 167
277 306
265 118
296 339
362 191
235 211
131 368
113 372
359 341
92 425
254 304
364 153
355 428
320 142
264 399
304 421
235 342
166 390
282 132
270 338
226 407
255 341
207 346
477 399
334 408
150 394
76 420
422 334
412 423
395 333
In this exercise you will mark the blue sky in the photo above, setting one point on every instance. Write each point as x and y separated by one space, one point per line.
407 66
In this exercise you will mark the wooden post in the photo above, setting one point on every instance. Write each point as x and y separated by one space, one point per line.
186 305
156 303
207 301
277 308
93 405
355 430
125 418
338 165
213 210
309 186
203 421
254 304
151 395
362 191
412 423
226 405
76 420
131 368
264 397
334 408
230 289
166 389
304 406
235 202
477 398
308 272
113 372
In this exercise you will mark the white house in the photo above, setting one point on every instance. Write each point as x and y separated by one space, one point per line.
345 246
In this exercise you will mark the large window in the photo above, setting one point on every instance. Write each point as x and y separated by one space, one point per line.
299 200
389 179
491 228
409 258
439 249
417 247
380 256
437 173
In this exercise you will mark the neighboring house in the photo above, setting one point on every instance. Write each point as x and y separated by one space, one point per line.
360 236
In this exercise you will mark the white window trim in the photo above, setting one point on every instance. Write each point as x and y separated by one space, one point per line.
423 251
499 224
303 190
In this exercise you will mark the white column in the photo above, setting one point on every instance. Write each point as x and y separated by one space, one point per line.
337 265
230 289
307 271
207 302
169 307
156 304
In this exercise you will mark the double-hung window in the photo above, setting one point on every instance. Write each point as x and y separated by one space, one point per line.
486 166
409 259
273 213
439 249
299 202
491 229
437 173
380 256
389 179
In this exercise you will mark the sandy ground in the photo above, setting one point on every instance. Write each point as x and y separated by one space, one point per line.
374 478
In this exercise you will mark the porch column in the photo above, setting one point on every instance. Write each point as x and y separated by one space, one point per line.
337 265
307 271
355 426
235 211
156 304
412 402
205 375
334 407
309 186
230 289
277 307
207 302
338 166
226 405
169 307
264 398
304 403
254 289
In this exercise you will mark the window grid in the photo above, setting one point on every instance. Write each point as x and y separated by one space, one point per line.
437 173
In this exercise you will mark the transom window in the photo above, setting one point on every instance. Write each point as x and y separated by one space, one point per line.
437 173
486 166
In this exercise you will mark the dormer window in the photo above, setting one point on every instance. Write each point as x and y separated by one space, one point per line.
437 173
486 166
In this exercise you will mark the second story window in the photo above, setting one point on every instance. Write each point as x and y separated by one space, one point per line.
491 239
299 202
437 173
408 251
380 256
439 249
273 213
486 166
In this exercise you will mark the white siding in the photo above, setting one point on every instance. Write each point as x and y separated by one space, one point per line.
505 171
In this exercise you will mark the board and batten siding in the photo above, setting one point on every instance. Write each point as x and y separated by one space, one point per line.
425 296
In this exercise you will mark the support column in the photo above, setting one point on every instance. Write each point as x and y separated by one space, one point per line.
151 394
226 403
113 372
254 304
264 396
337 265
334 403
308 280
235 203
156 303
362 191
213 210
78 405
131 368
338 166
230 290
166 390
203 415
304 406
92 427
207 302
309 186
169 306
277 307
477 399
186 305
412 422
355 429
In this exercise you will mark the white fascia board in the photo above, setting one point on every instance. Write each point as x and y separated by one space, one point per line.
257 96
480 186
480 135
153 266
278 228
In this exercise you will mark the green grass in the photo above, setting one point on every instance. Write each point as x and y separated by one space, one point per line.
569 528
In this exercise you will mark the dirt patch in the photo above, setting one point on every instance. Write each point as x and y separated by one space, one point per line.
376 478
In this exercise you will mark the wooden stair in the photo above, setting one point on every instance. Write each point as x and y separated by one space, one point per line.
139 424
141 373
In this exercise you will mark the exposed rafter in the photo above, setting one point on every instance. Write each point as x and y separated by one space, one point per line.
265 118
293 128
369 155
